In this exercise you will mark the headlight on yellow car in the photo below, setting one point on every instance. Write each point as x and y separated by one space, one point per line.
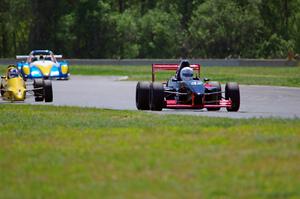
26 70
64 69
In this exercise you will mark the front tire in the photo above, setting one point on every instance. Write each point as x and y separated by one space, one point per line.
142 95
2 91
38 85
156 102
232 92
48 92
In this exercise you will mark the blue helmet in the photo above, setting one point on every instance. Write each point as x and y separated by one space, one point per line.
12 73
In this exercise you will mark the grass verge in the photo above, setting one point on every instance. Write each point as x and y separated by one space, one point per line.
67 152
276 76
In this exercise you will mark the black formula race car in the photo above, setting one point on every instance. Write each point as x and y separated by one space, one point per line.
186 91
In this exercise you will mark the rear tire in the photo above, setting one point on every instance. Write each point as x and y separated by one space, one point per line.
39 93
142 95
48 92
215 97
156 102
232 92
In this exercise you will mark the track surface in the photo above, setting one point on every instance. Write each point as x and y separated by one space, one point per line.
108 92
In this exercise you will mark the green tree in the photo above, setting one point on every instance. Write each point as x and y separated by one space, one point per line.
20 25
43 28
222 28
93 29
160 34
275 47
281 22
151 28
126 38
14 27
295 30
4 28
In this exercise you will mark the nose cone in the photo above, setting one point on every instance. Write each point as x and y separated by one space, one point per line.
198 98
200 95
46 71
19 95
17 89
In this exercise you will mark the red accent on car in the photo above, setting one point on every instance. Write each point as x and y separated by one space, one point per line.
172 104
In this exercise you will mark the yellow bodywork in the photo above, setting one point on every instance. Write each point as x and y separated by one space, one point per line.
44 66
64 69
26 70
13 89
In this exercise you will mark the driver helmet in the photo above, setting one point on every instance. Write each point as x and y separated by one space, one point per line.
41 57
186 74
184 63
12 73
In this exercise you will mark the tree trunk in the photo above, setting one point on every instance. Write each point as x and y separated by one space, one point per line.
286 19
121 6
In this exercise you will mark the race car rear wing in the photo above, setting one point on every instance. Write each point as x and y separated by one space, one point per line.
26 56
161 67
22 56
58 56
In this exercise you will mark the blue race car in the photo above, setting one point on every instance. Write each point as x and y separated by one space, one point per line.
43 64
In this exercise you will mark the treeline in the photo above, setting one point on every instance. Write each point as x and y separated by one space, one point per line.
151 28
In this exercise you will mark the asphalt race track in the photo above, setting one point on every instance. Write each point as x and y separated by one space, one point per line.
110 93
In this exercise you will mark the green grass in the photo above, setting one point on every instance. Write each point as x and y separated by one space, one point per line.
67 152
277 76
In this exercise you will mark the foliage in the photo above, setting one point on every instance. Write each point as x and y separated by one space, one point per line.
151 29
159 31
275 47
126 39
92 29
220 28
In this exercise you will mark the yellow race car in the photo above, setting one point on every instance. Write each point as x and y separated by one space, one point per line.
13 87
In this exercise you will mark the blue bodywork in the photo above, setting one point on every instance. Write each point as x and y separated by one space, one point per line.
48 68
195 86
182 91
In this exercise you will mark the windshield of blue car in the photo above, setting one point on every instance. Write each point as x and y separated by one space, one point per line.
41 58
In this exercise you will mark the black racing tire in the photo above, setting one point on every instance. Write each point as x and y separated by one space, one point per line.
38 85
215 97
1 87
48 93
156 102
142 95
232 92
